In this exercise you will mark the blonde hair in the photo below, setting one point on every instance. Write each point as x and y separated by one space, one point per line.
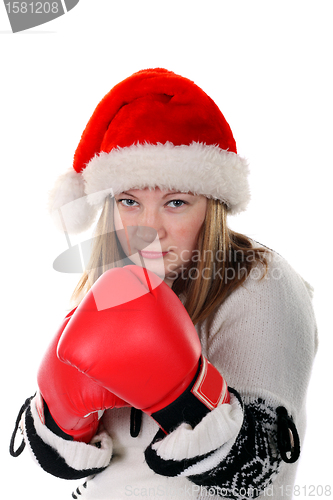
225 260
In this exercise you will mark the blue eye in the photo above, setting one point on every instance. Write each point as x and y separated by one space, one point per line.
177 203
127 202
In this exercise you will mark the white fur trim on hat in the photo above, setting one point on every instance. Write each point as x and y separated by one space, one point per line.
198 168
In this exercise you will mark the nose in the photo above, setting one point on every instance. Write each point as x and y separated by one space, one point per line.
150 226
145 233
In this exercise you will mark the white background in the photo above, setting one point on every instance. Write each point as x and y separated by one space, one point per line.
267 64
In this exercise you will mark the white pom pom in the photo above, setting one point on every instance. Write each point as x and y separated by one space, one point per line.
68 204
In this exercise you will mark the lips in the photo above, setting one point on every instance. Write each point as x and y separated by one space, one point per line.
152 255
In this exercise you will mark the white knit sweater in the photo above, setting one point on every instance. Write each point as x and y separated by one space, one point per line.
263 340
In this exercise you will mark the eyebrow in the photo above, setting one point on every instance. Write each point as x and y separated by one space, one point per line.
167 194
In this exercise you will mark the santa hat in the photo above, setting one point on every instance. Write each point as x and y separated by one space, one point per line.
154 129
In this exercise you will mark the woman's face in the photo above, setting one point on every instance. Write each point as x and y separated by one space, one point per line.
161 228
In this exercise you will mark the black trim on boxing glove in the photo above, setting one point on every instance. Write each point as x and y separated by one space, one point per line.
50 424
186 408
207 390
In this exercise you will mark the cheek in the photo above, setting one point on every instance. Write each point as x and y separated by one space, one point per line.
187 234
196 223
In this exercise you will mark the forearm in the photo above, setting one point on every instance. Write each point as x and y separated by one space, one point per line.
59 456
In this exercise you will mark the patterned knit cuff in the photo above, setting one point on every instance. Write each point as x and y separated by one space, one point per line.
60 457
180 451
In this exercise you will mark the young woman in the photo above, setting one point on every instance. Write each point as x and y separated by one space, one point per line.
182 372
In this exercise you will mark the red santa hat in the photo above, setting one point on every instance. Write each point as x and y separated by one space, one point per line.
154 129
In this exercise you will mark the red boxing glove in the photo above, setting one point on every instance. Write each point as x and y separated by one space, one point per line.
68 401
141 344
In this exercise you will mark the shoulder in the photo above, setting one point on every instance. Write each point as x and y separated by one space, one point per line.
280 282
264 334
270 312
277 292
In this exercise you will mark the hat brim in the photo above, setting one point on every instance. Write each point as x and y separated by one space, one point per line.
197 168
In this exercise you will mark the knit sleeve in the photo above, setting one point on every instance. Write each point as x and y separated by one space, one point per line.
263 341
63 458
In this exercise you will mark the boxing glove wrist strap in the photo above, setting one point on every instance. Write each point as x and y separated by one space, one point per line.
47 419
51 424
207 390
